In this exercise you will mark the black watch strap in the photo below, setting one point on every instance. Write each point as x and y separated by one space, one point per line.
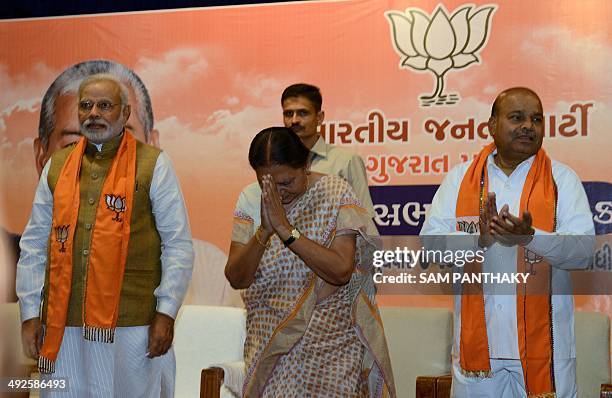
295 234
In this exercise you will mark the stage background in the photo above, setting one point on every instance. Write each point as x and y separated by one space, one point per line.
215 76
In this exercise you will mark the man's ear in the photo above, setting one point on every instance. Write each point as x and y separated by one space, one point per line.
39 155
320 117
492 124
127 110
154 138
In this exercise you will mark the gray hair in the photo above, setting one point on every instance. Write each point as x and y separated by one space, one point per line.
68 82
123 92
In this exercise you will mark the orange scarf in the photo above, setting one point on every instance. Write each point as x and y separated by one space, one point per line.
108 251
534 316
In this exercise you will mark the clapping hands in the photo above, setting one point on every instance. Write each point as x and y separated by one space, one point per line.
502 226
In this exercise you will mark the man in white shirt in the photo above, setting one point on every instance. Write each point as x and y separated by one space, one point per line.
524 345
303 114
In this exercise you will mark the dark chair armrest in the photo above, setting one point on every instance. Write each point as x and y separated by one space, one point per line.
211 382
440 386
433 386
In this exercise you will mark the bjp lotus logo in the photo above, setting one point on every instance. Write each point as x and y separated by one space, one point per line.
440 42
116 204
61 236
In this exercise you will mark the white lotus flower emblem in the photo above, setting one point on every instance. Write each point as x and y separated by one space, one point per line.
115 203
440 43
61 236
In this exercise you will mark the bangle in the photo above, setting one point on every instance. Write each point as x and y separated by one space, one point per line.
259 240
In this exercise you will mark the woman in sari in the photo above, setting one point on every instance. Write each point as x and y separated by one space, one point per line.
301 250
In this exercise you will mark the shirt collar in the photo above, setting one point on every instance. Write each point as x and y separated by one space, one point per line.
525 163
320 148
106 148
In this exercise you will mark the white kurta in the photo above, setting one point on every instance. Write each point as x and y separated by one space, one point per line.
82 360
573 218
119 370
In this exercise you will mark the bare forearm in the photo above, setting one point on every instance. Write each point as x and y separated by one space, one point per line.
324 262
327 263
243 261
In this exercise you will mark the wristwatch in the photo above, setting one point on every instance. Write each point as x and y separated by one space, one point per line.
295 235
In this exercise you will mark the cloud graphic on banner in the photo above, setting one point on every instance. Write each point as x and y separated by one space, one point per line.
26 105
21 95
198 150
15 118
439 43
19 106
189 142
174 69
232 101
25 85
259 86
491 89
226 127
560 45
241 127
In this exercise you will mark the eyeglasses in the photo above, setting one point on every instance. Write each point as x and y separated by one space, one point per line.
103 106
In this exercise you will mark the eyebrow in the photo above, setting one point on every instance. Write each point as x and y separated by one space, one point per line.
70 132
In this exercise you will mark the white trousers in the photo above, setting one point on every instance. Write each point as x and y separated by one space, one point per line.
120 369
508 382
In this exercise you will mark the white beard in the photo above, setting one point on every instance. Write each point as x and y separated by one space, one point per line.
110 131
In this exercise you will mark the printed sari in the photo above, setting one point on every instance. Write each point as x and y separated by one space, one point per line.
299 343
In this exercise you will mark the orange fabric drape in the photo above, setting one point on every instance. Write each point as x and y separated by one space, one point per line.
534 317
108 251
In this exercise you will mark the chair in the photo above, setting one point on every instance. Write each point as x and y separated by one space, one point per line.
205 336
419 341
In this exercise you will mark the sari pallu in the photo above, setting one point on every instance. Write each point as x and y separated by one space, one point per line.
300 344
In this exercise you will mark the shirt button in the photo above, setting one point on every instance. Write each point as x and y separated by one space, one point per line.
91 201
85 252
94 176
500 307
98 156
88 226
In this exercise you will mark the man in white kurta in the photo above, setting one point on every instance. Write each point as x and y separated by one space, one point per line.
516 127
140 361
59 127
